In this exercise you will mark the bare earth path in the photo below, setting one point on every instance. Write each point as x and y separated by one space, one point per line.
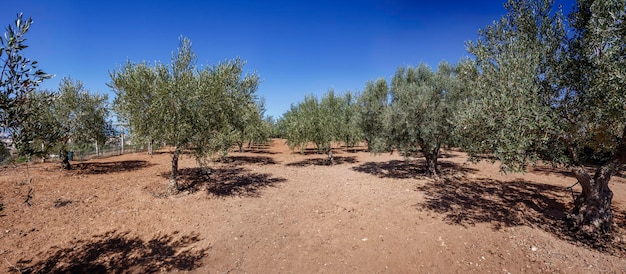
273 211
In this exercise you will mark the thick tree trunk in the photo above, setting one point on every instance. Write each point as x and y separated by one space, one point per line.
65 160
432 157
431 164
240 144
331 160
150 144
592 214
173 187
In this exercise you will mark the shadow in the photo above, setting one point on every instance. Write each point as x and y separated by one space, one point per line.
242 160
61 203
338 160
356 149
262 152
419 154
507 204
547 170
408 169
114 252
308 151
110 167
225 181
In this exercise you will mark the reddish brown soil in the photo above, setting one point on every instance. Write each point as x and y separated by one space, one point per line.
273 211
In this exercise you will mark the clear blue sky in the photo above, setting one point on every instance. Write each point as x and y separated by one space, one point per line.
297 47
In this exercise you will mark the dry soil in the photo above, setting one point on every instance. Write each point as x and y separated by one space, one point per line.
271 210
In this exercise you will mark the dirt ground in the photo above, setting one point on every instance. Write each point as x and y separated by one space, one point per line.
270 210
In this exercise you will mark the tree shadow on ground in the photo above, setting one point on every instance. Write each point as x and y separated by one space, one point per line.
507 204
547 170
356 149
110 167
418 154
338 160
308 151
242 160
408 169
115 252
225 181
261 151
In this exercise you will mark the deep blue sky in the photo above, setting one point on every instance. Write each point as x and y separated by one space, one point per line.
297 47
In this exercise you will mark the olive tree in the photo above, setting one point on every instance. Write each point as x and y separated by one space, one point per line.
247 121
350 129
81 117
19 76
419 116
134 104
372 104
301 123
321 122
188 108
538 94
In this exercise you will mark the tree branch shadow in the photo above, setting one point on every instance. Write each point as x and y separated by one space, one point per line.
409 169
225 181
337 160
508 204
242 160
110 167
115 252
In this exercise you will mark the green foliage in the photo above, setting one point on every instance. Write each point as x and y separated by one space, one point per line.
19 76
202 110
593 101
371 109
301 123
320 122
72 116
514 93
419 116
248 122
83 116
350 129
538 95
42 130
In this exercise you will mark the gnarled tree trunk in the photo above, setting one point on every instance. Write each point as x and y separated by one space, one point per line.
173 187
432 158
331 160
592 214
65 160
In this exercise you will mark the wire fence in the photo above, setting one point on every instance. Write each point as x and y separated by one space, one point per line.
105 151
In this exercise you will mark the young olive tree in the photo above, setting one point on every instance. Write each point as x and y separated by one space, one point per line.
82 117
371 109
247 121
537 95
350 129
301 123
419 116
19 76
321 122
135 101
181 105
